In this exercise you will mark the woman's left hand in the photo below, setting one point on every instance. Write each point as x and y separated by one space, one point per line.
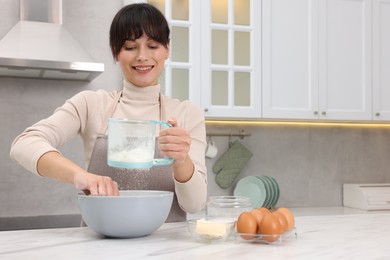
175 142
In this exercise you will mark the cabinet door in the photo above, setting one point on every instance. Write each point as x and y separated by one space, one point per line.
345 76
181 77
230 57
290 60
381 59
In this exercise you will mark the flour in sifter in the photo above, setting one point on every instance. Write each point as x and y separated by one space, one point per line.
137 155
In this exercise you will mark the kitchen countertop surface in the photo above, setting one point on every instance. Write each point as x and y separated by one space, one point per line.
323 233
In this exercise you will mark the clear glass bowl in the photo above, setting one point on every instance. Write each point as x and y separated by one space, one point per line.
227 207
211 231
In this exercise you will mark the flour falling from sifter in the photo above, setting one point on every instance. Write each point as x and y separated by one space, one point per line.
140 179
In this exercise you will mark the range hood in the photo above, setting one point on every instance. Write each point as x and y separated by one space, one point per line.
39 46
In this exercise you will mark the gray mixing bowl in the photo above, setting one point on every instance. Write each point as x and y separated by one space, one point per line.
135 213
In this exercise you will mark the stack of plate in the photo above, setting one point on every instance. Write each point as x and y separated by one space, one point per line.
262 191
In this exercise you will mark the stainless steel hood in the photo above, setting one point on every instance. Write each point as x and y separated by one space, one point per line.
39 46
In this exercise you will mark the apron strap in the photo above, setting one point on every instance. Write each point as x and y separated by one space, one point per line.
162 108
109 112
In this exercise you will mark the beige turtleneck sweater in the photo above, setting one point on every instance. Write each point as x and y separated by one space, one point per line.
83 115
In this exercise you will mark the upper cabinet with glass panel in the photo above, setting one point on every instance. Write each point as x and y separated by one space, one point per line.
181 76
231 58
215 55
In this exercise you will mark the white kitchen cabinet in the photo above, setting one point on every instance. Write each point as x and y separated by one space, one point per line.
345 56
215 55
381 59
317 59
180 78
231 58
290 58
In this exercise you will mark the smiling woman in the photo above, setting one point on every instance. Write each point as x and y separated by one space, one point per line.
142 60
139 40
145 45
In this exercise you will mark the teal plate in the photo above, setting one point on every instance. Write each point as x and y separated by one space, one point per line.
273 191
276 186
268 189
252 188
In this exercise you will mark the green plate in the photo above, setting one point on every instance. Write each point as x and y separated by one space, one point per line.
262 182
276 188
269 189
252 188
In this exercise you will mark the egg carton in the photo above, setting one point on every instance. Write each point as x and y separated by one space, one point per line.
267 239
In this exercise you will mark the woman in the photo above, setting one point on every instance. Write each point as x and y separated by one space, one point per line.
139 41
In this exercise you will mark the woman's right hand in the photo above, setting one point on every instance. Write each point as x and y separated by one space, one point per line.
96 185
53 165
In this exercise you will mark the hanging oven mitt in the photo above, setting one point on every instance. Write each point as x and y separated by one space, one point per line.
230 164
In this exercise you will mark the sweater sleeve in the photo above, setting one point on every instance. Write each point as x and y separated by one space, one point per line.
51 133
192 194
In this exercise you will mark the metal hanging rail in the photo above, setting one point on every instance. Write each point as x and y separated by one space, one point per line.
241 134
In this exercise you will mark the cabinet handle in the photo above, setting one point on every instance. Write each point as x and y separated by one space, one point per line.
323 113
377 114
206 110
315 113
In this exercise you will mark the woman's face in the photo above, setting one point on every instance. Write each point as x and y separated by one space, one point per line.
142 61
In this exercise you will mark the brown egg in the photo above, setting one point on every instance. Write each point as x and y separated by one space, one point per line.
270 227
258 214
289 216
282 219
246 224
264 210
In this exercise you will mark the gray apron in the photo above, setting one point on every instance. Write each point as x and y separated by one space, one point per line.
155 178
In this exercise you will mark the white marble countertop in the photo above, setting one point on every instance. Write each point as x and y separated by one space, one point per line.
330 233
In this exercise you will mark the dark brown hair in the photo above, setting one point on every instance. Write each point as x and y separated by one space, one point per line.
132 21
